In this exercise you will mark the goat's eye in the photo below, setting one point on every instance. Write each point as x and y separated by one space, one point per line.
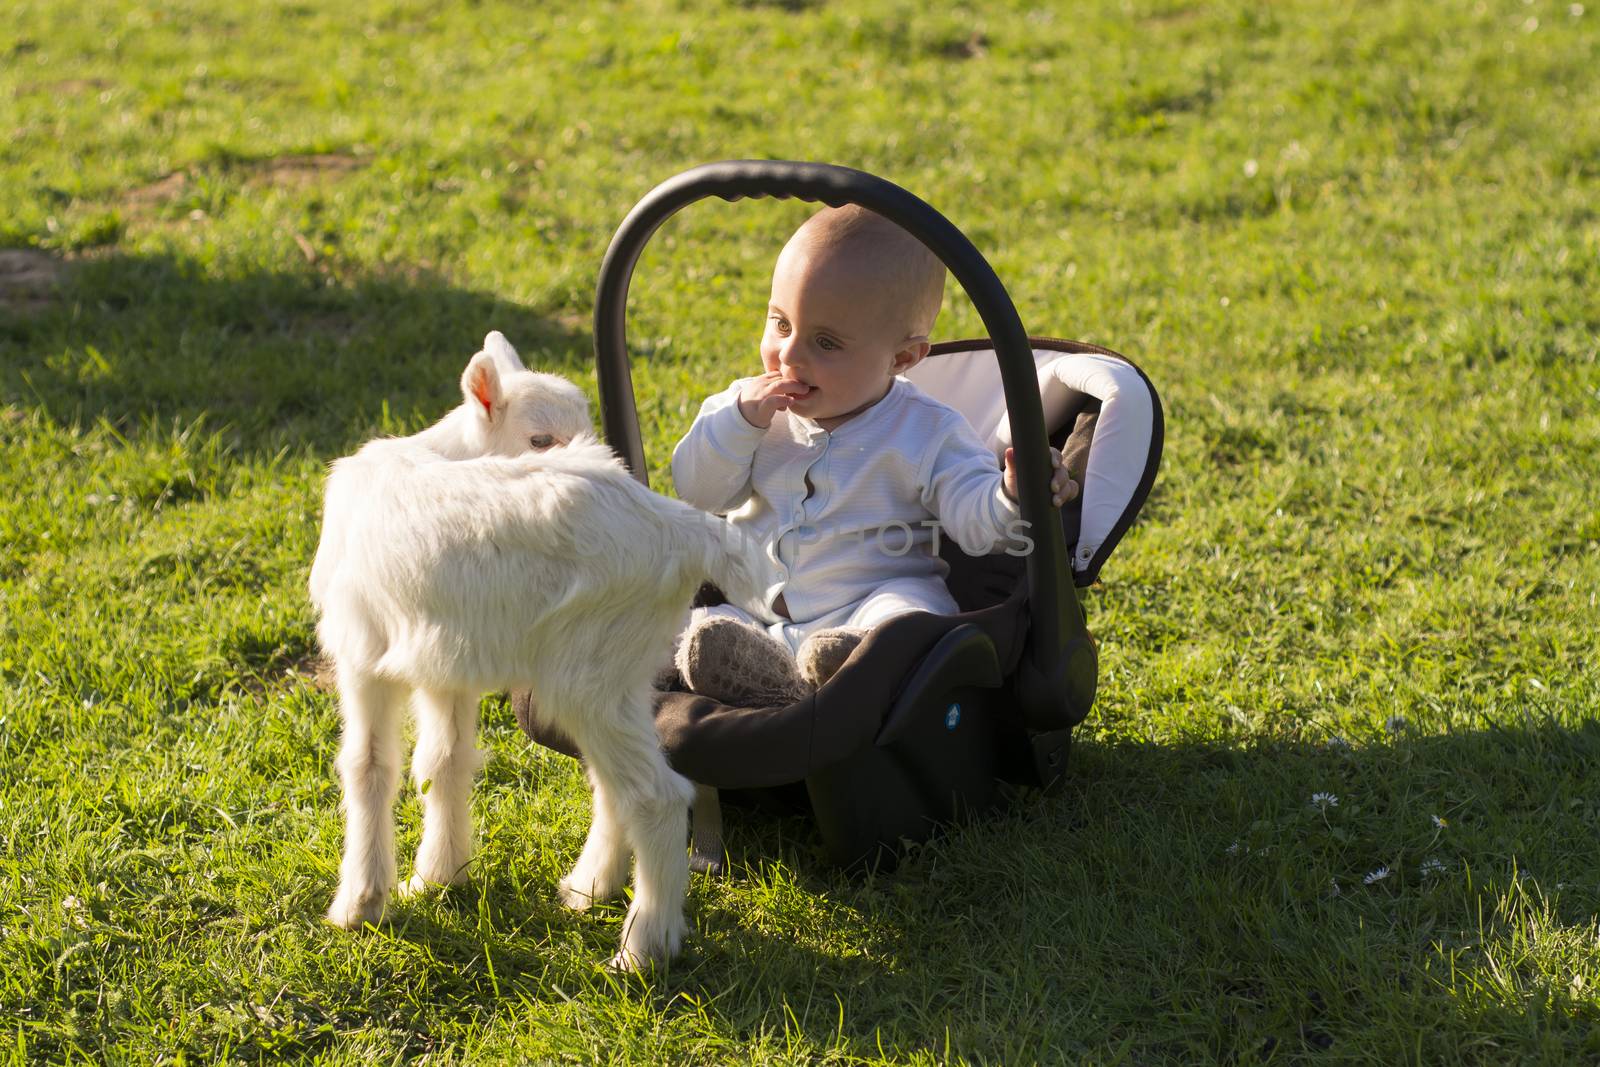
541 440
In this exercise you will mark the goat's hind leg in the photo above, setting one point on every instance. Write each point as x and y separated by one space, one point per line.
446 759
369 766
651 800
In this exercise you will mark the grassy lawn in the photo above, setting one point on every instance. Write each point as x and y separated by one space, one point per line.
1357 247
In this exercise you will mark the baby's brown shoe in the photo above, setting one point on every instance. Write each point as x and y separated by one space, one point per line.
824 652
738 664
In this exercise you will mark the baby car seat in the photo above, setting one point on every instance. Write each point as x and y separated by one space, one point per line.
931 711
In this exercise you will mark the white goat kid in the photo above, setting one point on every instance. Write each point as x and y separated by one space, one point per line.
504 548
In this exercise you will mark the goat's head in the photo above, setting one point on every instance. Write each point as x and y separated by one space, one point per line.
515 410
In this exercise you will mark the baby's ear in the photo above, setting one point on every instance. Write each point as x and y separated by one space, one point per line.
912 351
480 385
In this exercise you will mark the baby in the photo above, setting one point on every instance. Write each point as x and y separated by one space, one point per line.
844 472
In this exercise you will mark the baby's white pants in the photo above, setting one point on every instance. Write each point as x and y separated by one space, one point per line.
899 597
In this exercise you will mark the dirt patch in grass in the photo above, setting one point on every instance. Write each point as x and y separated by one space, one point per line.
315 668
29 279
309 668
157 192
973 46
284 172
67 86
1175 17
304 170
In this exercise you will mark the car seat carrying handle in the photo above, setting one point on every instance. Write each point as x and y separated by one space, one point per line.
1056 680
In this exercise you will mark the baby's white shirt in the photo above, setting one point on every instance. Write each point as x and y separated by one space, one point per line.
884 485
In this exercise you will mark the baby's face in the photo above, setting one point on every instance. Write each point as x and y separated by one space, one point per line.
828 327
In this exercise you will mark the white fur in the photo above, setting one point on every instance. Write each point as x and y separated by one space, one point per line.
457 561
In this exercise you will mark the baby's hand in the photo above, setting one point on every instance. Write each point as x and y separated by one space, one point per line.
763 397
1062 488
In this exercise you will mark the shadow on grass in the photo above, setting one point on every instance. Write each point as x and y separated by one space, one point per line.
1181 902
280 358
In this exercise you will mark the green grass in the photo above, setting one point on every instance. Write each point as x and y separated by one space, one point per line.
1357 247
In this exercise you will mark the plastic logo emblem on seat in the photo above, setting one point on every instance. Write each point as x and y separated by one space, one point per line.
952 716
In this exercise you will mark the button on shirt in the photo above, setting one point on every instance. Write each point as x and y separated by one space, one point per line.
840 513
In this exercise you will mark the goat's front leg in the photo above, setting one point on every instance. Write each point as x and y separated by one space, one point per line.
446 759
369 765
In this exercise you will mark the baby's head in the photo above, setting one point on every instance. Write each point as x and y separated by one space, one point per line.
854 298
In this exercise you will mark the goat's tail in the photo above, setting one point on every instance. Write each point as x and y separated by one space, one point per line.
735 562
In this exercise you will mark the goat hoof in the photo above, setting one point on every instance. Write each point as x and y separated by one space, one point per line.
426 875
351 910
626 962
649 938
416 886
573 897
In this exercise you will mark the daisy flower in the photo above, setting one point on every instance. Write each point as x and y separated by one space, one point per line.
1432 866
1324 801
1376 876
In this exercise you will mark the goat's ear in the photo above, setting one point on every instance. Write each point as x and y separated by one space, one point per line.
499 349
480 385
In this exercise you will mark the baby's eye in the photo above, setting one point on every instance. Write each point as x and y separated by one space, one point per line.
828 344
541 441
779 326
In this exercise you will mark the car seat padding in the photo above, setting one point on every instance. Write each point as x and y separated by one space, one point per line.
1075 379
